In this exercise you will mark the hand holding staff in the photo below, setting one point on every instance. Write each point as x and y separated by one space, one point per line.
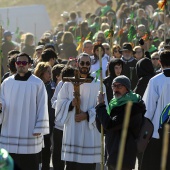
165 146
102 132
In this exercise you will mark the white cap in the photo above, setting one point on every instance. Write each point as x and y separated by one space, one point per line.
65 14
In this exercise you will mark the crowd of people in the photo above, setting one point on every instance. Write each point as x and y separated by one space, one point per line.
38 105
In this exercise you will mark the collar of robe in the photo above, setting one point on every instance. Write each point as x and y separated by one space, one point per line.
166 72
23 78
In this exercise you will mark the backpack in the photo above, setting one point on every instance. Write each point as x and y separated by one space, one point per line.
165 116
145 135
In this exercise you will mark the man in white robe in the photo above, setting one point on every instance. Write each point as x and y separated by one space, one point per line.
156 97
81 147
24 116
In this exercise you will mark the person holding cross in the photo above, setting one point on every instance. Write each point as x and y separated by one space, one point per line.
76 109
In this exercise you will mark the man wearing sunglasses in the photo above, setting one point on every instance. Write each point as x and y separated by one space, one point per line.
112 120
81 140
24 115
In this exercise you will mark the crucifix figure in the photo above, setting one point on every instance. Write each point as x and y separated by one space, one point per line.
77 81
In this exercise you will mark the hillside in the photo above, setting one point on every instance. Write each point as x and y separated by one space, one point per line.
56 7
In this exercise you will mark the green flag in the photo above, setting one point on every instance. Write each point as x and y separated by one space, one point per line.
131 33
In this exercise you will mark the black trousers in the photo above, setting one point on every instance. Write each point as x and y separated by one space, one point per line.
25 161
58 164
110 167
79 166
46 152
152 155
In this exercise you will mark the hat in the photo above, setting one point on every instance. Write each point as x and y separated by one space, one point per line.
8 33
125 81
65 14
126 46
39 47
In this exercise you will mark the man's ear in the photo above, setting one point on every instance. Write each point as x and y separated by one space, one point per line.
29 65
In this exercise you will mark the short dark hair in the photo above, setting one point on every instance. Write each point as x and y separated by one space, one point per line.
49 45
73 15
87 15
11 63
24 55
56 70
48 54
67 72
165 58
13 52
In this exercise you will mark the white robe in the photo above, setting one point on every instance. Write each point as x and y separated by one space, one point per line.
156 97
58 124
96 66
81 140
24 112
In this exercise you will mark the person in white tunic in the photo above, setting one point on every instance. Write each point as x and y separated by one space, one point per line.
58 164
95 60
81 140
24 116
156 97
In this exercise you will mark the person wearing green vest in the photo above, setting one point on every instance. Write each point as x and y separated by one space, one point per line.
112 120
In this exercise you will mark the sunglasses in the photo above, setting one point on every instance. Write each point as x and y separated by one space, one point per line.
24 63
155 58
107 48
119 86
87 63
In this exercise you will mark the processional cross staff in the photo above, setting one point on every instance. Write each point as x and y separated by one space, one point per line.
77 81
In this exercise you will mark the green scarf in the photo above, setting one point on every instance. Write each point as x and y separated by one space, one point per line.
123 100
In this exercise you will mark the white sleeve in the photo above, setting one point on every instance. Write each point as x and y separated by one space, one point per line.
2 101
150 98
65 97
54 98
42 119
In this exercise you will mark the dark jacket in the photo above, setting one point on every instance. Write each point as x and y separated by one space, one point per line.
50 87
113 128
108 82
144 71
129 70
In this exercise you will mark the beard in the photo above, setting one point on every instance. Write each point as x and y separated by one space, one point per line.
84 70
117 95
21 70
